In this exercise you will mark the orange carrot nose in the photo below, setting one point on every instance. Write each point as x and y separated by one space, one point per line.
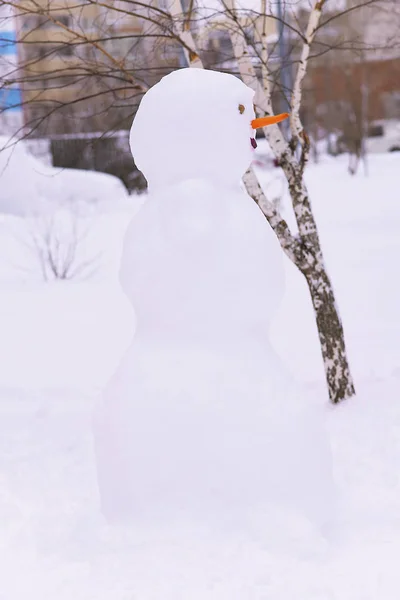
265 121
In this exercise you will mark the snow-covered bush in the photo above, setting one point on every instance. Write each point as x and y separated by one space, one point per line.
59 242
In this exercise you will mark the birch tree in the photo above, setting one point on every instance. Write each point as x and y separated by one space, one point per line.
304 249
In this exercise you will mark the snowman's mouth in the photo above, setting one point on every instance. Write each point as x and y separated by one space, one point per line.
253 142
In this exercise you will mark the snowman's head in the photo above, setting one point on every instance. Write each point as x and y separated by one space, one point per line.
195 123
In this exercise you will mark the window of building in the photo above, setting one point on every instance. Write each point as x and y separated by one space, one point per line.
50 82
64 50
42 51
49 51
375 131
63 19
30 22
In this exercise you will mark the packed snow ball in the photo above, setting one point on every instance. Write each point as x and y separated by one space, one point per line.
194 123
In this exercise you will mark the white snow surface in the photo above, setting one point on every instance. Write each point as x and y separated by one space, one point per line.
29 187
54 542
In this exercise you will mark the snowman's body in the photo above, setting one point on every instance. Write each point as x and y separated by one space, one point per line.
201 418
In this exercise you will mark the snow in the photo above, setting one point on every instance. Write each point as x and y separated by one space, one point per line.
47 460
358 223
207 128
27 186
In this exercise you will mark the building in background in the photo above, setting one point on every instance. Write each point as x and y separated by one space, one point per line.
67 81
78 63
11 118
214 42
353 79
213 39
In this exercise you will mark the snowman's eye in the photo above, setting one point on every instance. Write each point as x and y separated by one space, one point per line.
241 108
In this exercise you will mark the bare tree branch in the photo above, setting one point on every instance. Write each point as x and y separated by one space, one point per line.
296 126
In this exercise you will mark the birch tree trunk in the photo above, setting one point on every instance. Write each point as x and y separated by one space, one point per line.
303 250
311 263
330 329
331 336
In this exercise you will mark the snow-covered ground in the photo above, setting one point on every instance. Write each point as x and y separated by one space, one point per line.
29 186
68 338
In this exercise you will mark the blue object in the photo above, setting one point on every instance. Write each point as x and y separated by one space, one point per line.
10 99
8 43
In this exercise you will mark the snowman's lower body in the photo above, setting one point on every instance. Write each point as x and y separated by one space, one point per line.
178 437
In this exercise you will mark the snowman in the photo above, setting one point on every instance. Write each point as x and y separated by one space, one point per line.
202 420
